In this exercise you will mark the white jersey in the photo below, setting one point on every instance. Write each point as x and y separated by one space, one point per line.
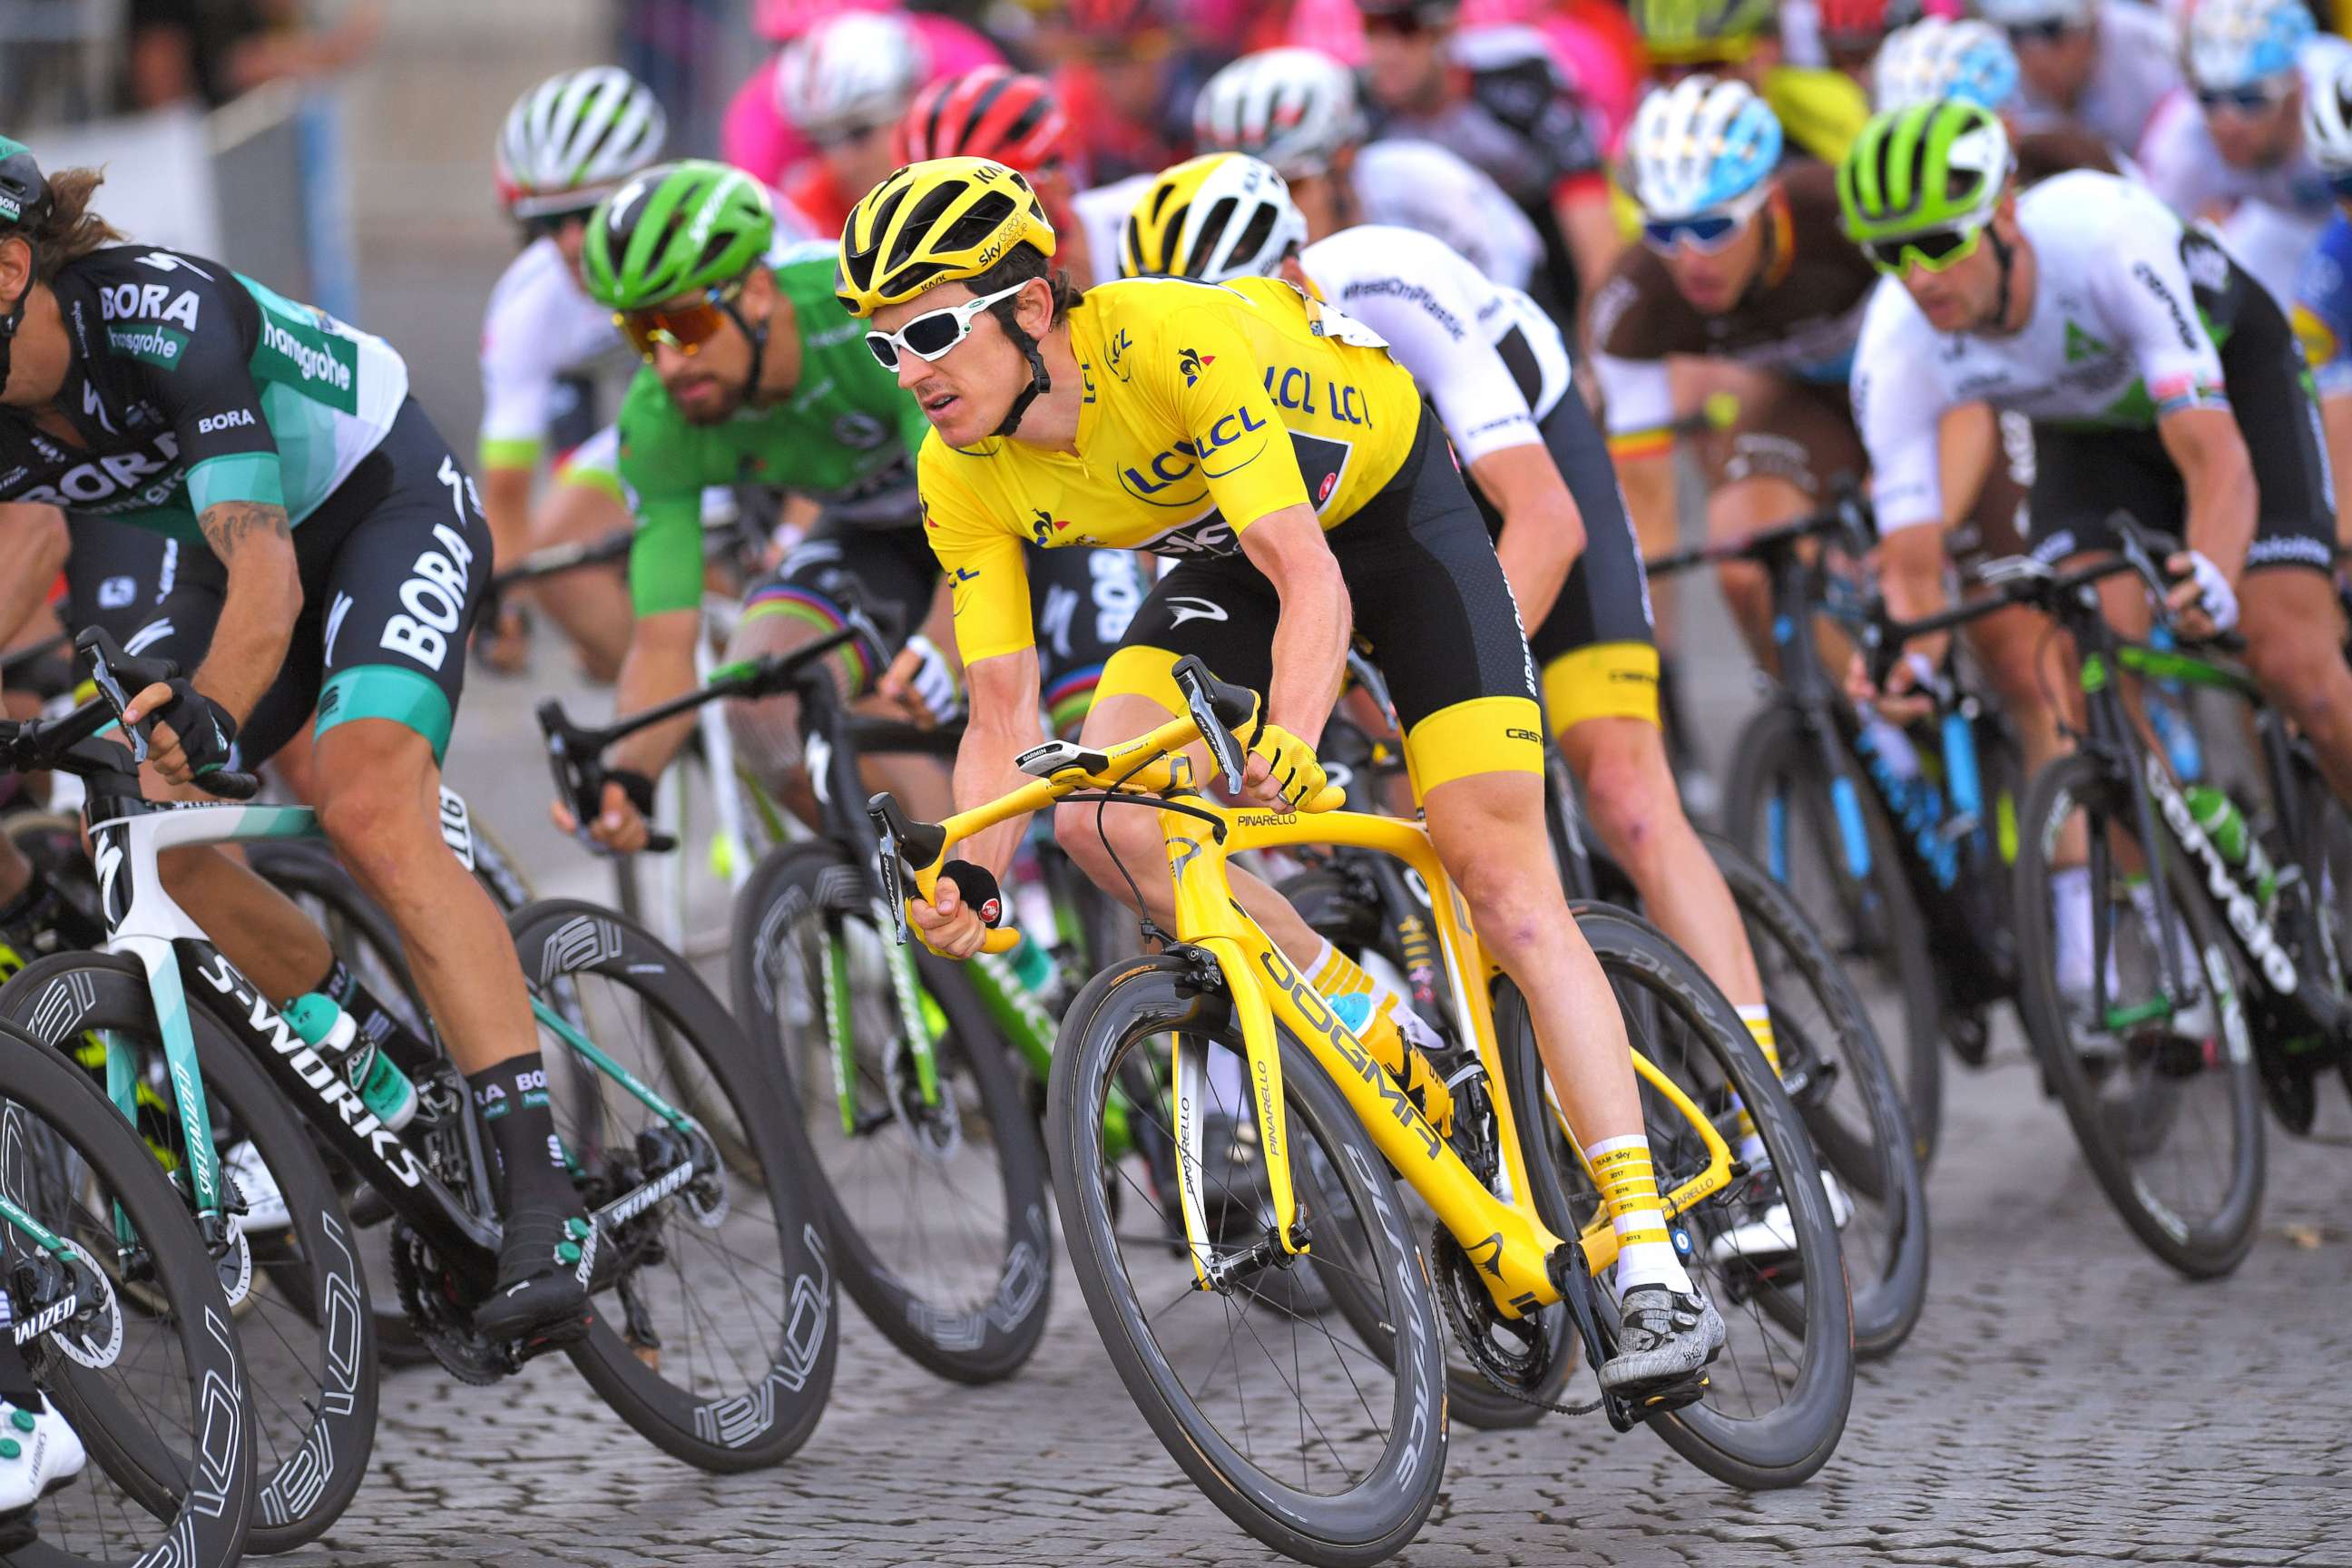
2276 213
540 326
1102 215
2113 338
2137 67
1421 186
1487 356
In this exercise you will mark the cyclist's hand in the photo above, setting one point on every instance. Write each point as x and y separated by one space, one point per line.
620 827
922 681
191 736
945 923
2202 603
1282 773
1905 698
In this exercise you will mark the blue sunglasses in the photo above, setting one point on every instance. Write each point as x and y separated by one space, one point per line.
1706 234
2252 99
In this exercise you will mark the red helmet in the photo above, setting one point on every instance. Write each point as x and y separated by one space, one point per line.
988 112
1856 23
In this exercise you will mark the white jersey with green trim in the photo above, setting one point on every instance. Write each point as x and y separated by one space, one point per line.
540 326
2115 337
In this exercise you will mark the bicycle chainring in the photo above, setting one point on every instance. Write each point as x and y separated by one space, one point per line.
1512 1353
435 1306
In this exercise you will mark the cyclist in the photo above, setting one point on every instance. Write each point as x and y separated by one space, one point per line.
843 85
1496 370
2101 65
2323 293
2234 150
1011 117
1820 111
1297 110
565 144
1852 31
1495 97
750 373
167 391
1153 414
2162 382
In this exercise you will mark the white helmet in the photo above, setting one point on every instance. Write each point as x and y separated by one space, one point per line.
1296 109
2327 120
855 71
2007 13
2236 43
573 138
1699 145
1934 58
1219 215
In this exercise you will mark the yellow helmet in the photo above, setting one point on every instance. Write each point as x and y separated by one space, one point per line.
934 222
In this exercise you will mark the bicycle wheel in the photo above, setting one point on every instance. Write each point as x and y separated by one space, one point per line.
1835 1074
155 1387
2166 1102
1779 1393
714 1332
295 1285
363 937
1784 810
2325 856
936 1202
1327 902
1299 1430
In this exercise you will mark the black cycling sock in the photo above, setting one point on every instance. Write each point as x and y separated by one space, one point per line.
17 1385
337 984
512 1100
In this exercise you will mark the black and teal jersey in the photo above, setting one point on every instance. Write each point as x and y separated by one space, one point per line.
190 385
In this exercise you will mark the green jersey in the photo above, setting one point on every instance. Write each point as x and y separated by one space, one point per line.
845 433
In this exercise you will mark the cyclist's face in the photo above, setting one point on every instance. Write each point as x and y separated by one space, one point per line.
1714 283
2055 65
706 386
858 160
1404 64
2256 138
1961 297
1318 196
965 392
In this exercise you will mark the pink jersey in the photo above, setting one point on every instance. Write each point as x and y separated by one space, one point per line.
756 138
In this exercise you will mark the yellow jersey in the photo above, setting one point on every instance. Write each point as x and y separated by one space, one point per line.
1189 390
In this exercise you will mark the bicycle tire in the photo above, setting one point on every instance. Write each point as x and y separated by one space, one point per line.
1887 931
762 1421
313 1439
1378 1515
980 1331
1785 1446
2198 1250
364 938
1878 1161
1326 903
202 1502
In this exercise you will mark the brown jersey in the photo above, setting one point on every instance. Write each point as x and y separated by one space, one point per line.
2041 154
1799 317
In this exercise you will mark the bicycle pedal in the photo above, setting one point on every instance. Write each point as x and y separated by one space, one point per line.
1673 1396
555 1337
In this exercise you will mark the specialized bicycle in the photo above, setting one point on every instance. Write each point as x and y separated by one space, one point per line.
2210 981
934 1187
1336 1455
713 1300
116 1310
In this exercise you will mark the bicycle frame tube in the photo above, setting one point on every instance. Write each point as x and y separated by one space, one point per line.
604 1064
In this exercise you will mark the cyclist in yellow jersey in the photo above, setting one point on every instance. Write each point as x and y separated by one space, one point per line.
1822 110
1274 446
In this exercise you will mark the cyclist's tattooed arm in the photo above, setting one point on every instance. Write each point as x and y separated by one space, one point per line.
255 541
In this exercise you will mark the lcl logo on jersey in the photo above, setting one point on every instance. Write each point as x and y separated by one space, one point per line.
1179 462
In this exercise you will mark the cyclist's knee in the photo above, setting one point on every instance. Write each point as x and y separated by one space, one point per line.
2301 670
1629 791
375 799
1135 842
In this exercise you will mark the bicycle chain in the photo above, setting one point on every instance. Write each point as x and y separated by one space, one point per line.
1455 1274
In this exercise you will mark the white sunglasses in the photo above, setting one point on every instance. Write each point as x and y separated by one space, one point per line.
934 332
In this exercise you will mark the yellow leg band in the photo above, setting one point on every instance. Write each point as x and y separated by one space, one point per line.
1605 680
1139 670
1484 735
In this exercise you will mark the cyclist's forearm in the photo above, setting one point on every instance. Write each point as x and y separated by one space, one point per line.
1543 532
258 610
34 543
1312 628
1911 576
2218 474
659 667
505 506
2335 419
984 772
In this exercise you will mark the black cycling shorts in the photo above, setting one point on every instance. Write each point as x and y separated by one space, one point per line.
2083 477
394 566
1430 603
1596 650
1082 601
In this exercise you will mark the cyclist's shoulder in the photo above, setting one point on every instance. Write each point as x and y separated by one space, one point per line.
2094 213
661 449
1637 313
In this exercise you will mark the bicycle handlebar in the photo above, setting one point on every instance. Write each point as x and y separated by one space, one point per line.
1847 515
49 745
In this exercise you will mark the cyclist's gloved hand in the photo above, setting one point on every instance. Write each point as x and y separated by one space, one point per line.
922 679
620 823
193 736
2204 590
1283 774
965 902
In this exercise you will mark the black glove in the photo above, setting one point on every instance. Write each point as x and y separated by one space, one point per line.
978 885
638 787
207 731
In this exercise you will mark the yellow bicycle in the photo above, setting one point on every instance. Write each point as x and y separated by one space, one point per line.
1258 1203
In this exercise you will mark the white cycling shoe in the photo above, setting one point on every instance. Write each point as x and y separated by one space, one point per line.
265 1206
38 1454
1769 1232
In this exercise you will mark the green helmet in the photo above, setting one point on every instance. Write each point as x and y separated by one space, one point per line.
1932 166
1690 32
24 192
677 229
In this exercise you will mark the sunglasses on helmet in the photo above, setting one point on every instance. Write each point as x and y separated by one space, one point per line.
682 324
934 332
1706 233
1936 250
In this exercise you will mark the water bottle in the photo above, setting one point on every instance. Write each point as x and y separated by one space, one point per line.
383 1088
1032 965
2226 826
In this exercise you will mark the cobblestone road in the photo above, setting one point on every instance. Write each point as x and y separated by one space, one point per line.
2066 1398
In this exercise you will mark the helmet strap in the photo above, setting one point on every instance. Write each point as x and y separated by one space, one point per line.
758 337
1039 381
2005 253
13 319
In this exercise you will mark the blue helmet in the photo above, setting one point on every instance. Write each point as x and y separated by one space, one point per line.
1968 60
1700 144
2234 44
